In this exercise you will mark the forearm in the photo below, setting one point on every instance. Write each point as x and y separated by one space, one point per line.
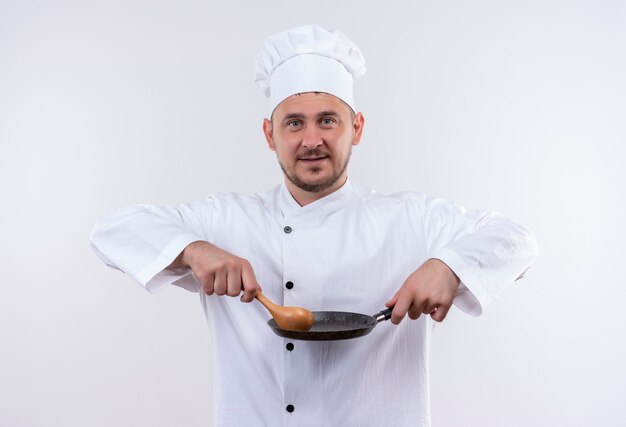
183 260
486 250
488 259
143 240
178 262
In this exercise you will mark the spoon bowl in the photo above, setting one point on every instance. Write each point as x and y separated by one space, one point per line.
288 318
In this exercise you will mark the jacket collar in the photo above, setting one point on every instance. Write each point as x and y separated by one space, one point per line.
292 211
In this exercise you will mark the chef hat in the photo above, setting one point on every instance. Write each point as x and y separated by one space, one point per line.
308 59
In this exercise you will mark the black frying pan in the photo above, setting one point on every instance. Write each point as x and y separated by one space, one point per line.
335 325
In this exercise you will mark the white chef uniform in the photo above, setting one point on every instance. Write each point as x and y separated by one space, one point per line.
349 251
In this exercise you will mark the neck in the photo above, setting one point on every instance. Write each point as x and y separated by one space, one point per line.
306 197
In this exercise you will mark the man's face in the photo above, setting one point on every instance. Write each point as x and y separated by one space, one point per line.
313 134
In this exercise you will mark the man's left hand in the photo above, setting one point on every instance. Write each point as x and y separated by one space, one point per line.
428 290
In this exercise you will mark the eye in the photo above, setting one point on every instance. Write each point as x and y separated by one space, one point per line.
327 121
293 123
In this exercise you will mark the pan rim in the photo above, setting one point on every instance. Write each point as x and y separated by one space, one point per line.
359 330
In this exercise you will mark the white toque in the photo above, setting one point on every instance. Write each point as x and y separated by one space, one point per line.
308 59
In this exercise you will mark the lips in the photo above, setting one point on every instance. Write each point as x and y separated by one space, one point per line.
312 158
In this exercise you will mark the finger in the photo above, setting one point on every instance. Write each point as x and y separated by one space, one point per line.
415 311
219 285
403 302
207 284
418 306
440 313
233 282
392 301
429 308
250 285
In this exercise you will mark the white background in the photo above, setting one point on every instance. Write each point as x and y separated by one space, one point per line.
517 106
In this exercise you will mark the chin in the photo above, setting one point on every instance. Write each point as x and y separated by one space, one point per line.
314 181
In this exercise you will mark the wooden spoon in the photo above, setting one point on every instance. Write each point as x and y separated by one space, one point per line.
288 318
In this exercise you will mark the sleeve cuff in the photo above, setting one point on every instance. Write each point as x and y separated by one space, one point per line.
471 297
155 277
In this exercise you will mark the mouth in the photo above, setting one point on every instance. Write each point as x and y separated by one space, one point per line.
312 159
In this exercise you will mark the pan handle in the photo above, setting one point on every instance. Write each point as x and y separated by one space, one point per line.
383 315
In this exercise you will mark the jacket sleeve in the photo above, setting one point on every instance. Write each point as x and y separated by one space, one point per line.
142 240
486 250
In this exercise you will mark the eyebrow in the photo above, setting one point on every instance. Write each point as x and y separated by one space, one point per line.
328 113
301 116
293 116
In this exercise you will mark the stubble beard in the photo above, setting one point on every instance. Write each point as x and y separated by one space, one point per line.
320 186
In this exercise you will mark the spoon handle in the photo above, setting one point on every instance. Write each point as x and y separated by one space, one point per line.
266 302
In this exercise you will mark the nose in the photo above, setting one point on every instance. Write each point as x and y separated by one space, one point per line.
312 137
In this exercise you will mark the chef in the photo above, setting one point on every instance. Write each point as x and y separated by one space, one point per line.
320 241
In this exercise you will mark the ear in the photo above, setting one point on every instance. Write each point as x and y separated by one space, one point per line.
268 131
359 122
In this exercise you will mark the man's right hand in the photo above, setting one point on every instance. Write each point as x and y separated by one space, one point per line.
219 272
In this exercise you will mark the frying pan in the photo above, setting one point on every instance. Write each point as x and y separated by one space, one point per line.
334 325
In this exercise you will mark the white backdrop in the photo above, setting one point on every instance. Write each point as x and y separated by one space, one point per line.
517 106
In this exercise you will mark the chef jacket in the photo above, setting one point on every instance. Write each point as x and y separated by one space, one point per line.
349 251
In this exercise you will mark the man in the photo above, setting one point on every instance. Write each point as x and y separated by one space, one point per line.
321 242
